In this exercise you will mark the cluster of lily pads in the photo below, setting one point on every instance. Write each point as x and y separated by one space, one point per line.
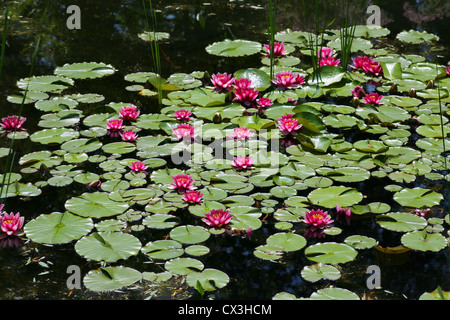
229 153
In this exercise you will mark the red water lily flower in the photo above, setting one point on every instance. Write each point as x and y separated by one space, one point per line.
288 80
217 218
13 123
242 162
288 125
193 196
372 98
279 49
129 113
138 166
183 115
222 81
318 218
182 183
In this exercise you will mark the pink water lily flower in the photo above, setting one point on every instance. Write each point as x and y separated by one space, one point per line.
279 49
128 136
329 62
263 104
129 113
114 127
12 123
288 125
138 166
242 163
183 115
372 98
243 83
217 218
360 61
222 81
325 53
288 80
241 133
245 96
11 224
184 131
318 218
447 70
343 214
193 196
358 92
182 183
373 68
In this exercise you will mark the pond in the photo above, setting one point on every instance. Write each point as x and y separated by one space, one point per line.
332 192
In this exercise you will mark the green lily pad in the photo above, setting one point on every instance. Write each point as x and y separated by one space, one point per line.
259 79
331 253
108 246
423 241
320 271
331 196
160 221
85 70
334 294
288 241
95 205
326 75
418 197
234 48
413 36
57 228
208 279
111 278
163 249
360 242
183 266
45 83
401 222
189 234
54 135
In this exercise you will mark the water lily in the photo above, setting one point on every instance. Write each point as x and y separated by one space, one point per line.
184 131
243 83
241 133
96 184
13 123
325 53
242 162
263 104
193 196
222 81
183 115
360 61
329 62
447 70
279 49
288 80
129 113
114 127
422 212
358 92
373 68
372 98
11 224
318 218
138 166
288 125
182 183
343 214
217 218
245 96
128 136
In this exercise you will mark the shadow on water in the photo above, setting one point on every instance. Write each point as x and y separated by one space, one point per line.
109 34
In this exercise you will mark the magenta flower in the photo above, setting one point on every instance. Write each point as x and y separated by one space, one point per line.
183 115
242 163
222 81
217 218
243 83
372 98
360 61
288 80
318 218
447 70
279 49
325 53
184 131
288 125
329 62
96 184
129 113
182 183
12 123
263 103
138 166
343 214
192 196
114 127
128 136
245 96
373 68
358 92
241 133
11 224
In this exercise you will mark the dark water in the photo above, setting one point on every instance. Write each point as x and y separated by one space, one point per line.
108 34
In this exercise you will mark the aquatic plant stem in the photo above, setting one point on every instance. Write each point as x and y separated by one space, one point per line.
347 34
5 29
271 22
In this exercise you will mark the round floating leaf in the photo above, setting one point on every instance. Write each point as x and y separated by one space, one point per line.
288 241
330 253
163 249
189 234
95 205
26 98
401 221
360 242
208 279
234 48
413 36
81 145
283 191
259 79
334 294
45 83
54 135
184 266
152 36
418 197
320 271
424 241
269 252
108 246
111 278
119 147
56 104
57 228
197 250
331 196
326 75
59 181
160 221
139 77
85 70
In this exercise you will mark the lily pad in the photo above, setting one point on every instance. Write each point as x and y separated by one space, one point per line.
320 271
418 197
423 241
331 253
189 234
95 205
401 222
331 196
85 70
111 278
234 48
208 279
